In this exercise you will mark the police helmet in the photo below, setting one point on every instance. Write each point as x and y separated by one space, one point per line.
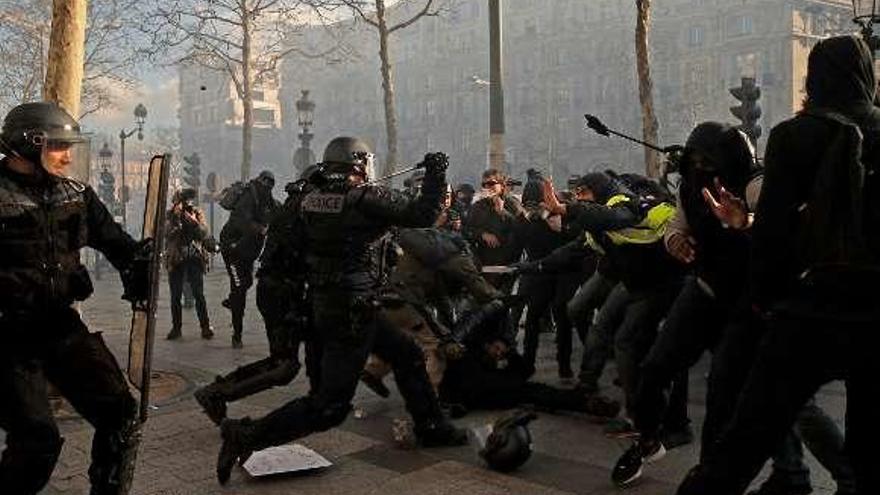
508 444
348 155
30 129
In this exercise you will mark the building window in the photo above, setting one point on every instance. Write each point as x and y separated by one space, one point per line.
741 25
258 95
695 36
264 116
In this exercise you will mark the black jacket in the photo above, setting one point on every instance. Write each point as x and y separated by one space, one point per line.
43 226
242 234
840 78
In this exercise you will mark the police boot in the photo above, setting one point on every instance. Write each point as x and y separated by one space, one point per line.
114 456
440 433
238 440
212 401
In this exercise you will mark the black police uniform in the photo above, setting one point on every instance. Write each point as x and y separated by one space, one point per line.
44 222
282 299
241 241
341 226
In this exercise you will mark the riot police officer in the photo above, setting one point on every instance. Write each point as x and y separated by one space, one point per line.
341 221
45 219
283 304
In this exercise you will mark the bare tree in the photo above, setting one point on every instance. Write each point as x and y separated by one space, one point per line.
375 14
243 39
650 125
25 31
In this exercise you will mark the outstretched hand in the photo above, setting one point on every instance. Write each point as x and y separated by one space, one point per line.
728 208
550 201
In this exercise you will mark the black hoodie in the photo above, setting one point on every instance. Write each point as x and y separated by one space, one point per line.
840 78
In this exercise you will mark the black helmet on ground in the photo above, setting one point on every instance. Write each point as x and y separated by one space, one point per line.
509 443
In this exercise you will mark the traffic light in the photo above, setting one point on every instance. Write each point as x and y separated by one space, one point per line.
192 173
748 111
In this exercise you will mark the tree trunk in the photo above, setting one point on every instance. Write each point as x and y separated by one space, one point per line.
64 71
388 90
247 98
646 97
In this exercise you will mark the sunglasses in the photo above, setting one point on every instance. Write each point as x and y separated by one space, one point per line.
490 183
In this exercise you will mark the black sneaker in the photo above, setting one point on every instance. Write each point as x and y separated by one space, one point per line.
629 466
236 342
174 334
207 332
213 406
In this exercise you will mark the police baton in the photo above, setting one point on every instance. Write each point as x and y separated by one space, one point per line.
394 174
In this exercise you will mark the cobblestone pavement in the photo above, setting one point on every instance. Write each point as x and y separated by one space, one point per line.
180 444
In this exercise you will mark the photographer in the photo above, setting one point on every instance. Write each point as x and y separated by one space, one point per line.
491 226
186 257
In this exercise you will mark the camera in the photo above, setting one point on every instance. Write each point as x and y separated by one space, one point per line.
513 183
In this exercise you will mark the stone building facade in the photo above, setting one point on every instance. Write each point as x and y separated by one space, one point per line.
563 58
211 116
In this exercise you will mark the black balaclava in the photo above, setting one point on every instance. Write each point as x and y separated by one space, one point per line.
601 184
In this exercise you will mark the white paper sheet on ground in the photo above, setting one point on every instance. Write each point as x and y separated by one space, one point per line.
497 269
285 459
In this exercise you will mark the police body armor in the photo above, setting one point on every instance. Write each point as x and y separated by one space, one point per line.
41 232
342 240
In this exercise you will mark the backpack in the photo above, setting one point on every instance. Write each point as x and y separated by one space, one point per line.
831 231
232 194
648 190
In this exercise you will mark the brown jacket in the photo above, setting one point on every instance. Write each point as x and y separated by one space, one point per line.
185 239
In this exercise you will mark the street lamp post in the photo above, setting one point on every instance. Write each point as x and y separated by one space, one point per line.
305 112
865 14
140 116
107 192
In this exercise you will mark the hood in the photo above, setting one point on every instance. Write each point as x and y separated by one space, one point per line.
602 185
840 73
729 156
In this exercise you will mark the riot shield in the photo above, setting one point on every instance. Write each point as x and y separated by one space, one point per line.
143 318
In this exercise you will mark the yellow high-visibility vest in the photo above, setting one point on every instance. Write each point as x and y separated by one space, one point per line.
651 229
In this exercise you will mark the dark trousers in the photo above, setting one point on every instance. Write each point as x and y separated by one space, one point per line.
192 271
587 299
547 294
634 339
350 329
693 325
795 357
87 375
241 277
598 346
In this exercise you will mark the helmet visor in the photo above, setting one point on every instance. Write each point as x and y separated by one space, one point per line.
64 155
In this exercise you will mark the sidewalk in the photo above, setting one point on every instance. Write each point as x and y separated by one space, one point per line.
180 444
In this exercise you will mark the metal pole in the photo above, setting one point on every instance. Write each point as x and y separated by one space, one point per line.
123 194
496 88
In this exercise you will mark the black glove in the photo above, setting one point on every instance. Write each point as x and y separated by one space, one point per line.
527 267
435 163
136 276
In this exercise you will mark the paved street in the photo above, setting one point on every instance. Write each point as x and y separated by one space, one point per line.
180 443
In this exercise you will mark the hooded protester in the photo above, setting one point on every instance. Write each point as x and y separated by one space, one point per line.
716 156
821 318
